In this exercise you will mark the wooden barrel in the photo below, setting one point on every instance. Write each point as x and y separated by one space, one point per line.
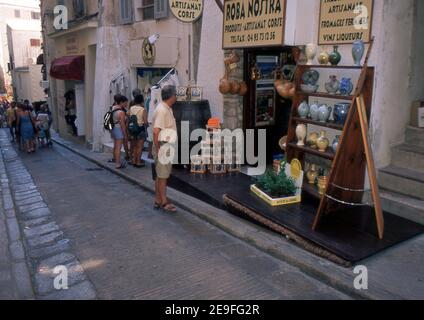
197 113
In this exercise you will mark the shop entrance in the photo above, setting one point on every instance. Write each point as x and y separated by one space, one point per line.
263 107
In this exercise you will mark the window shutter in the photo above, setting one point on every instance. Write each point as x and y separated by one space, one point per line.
161 9
79 8
126 11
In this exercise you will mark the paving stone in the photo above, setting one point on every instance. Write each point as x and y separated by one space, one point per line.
11 213
5 274
44 278
35 222
32 207
23 280
24 188
59 259
60 246
29 201
4 241
19 197
81 291
41 230
36 213
13 229
8 202
45 240
17 250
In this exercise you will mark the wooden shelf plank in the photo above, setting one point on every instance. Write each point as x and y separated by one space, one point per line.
321 66
327 155
330 125
325 95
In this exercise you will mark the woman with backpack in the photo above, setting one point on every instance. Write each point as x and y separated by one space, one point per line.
137 116
119 131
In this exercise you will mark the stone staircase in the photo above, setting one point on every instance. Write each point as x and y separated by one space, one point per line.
402 183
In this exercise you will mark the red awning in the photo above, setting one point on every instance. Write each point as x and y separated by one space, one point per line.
68 68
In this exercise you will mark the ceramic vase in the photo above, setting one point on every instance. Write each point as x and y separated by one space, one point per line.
335 57
301 135
333 85
303 110
312 140
358 51
341 111
310 52
324 113
346 86
323 142
314 111
335 144
312 174
324 57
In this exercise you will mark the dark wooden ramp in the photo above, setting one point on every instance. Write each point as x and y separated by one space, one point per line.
345 237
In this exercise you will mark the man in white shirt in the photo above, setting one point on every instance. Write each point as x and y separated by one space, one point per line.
164 135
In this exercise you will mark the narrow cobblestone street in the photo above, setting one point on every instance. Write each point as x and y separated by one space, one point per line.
120 248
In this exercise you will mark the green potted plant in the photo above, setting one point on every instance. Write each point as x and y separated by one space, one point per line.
277 188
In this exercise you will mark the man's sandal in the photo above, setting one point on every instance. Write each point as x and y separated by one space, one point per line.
156 206
169 207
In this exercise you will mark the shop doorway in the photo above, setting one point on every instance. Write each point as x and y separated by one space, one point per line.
263 107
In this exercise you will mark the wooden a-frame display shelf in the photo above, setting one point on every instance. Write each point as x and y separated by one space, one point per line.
352 162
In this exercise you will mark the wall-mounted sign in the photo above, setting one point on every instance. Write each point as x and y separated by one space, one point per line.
253 23
72 46
148 51
345 21
186 10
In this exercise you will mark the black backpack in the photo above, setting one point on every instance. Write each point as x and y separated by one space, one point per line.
108 123
133 128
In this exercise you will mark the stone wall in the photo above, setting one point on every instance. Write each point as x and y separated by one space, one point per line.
233 104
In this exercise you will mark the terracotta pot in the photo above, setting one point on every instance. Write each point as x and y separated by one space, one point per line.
234 87
243 88
277 83
224 86
286 89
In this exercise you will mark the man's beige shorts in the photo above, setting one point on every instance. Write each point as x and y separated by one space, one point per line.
163 171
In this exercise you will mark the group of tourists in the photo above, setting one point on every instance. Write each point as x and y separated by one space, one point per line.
29 125
130 127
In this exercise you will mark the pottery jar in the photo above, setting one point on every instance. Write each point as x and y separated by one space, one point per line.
301 132
243 88
335 144
312 140
341 110
322 184
224 86
312 174
358 50
310 51
303 110
333 85
335 56
323 142
314 111
346 86
234 87
324 57
324 113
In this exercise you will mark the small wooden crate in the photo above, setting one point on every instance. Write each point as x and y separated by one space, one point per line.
199 168
218 168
